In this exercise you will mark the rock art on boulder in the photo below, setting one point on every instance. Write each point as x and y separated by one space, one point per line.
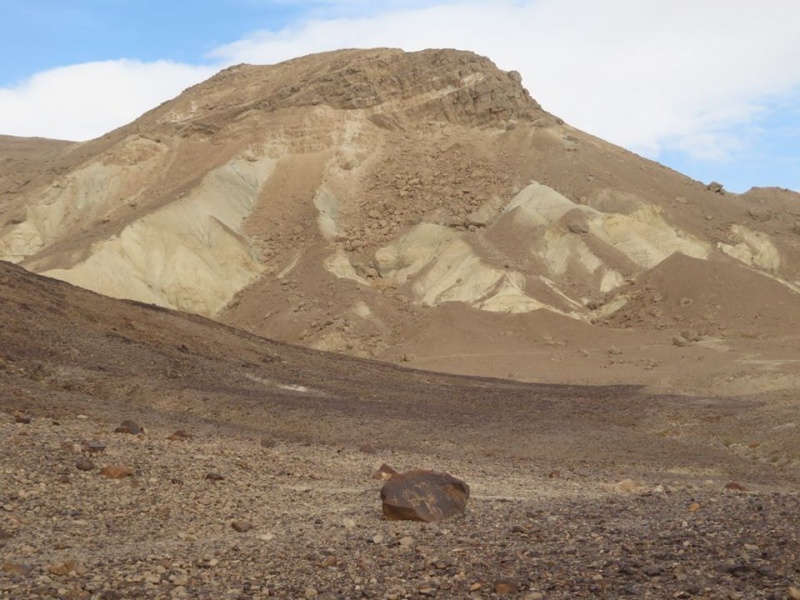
428 496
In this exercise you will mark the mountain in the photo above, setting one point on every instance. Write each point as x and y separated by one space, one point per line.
407 207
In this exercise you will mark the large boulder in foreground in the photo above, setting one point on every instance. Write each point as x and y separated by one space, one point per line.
424 496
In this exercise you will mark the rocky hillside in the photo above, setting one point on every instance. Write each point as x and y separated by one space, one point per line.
354 200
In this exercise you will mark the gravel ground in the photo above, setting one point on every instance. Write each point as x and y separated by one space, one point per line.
232 516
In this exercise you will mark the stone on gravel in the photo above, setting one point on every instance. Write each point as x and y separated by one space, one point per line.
10 568
179 436
93 446
428 496
129 426
241 525
214 476
504 587
20 417
116 471
85 464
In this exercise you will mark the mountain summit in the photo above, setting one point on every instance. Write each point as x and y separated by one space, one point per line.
405 206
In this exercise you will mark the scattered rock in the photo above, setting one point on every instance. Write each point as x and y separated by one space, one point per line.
679 341
93 446
715 187
129 426
68 567
424 496
267 442
694 507
179 436
116 472
629 486
505 587
20 417
367 448
653 570
214 476
13 569
794 593
85 464
242 526
736 487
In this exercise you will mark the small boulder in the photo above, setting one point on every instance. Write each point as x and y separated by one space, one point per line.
428 496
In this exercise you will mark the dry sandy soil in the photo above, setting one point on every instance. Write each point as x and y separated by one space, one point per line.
611 350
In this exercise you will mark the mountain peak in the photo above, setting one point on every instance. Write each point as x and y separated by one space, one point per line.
392 85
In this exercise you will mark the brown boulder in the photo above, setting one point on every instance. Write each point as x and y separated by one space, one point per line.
423 496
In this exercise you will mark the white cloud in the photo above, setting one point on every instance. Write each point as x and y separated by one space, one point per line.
83 101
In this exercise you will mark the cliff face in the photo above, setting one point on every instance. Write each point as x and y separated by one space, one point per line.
336 200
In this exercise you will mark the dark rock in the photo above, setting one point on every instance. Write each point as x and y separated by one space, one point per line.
179 436
20 417
653 571
93 446
85 464
213 476
715 187
423 496
129 426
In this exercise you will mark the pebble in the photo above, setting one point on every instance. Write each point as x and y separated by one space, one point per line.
311 592
93 446
241 525
85 464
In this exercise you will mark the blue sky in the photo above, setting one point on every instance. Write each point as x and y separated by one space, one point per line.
708 87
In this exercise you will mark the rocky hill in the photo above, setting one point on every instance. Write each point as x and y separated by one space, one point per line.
413 207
